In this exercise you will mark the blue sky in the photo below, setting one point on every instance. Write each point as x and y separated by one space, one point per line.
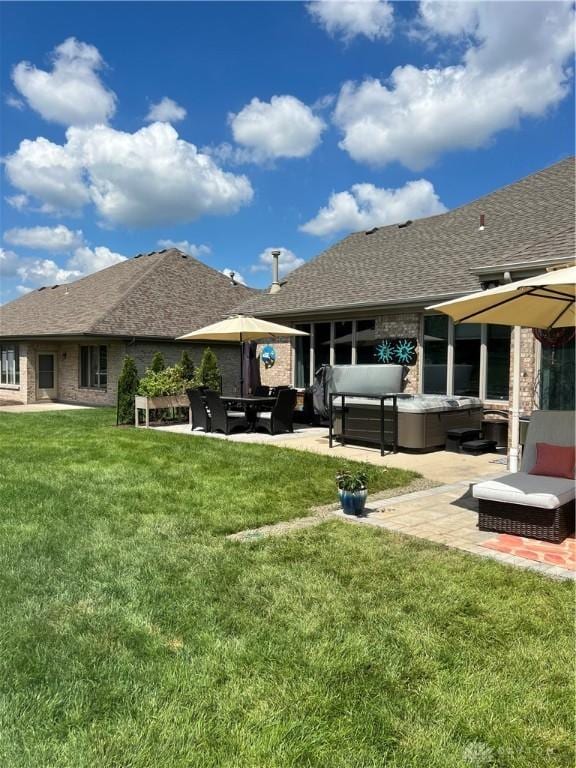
289 124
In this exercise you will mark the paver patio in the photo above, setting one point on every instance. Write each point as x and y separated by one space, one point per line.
446 514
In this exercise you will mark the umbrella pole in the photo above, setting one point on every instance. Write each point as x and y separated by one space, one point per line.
241 367
514 455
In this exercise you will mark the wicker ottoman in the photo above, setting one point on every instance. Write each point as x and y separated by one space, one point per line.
521 504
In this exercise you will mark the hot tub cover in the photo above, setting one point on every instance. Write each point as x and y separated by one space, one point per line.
418 403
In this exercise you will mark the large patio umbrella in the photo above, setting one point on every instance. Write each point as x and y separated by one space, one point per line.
241 328
544 301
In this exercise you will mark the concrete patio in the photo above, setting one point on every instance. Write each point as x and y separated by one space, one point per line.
40 407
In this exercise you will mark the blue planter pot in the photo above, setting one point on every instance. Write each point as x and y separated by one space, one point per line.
353 502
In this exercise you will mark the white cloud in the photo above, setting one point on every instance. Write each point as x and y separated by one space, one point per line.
166 111
233 274
186 247
87 260
23 289
19 202
287 261
50 173
282 127
56 239
366 206
347 19
84 261
515 66
147 178
9 263
71 93
15 102
37 272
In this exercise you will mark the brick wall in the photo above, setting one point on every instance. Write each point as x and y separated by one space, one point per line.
228 358
281 372
403 326
528 370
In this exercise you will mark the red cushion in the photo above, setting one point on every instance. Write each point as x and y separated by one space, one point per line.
554 460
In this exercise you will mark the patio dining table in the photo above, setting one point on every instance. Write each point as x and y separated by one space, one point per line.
251 405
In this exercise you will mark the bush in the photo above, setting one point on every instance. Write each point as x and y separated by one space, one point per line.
127 389
208 373
169 381
187 366
158 364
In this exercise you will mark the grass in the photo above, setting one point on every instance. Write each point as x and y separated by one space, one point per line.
134 635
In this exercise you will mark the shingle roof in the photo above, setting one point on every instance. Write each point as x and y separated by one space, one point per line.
435 256
161 295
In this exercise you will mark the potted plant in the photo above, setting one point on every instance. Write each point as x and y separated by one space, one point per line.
352 490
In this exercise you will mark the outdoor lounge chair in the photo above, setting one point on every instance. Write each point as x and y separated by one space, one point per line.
524 504
279 419
200 417
222 420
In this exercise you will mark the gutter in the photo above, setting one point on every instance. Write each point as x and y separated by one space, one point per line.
399 305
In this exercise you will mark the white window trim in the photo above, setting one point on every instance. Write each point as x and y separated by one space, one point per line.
483 374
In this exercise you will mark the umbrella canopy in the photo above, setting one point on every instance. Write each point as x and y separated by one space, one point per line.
544 301
241 328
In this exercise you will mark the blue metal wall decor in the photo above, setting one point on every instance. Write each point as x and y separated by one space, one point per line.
398 351
268 356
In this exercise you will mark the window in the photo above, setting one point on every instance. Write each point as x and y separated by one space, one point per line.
435 355
467 339
498 362
302 355
94 367
321 344
10 364
343 342
557 377
366 342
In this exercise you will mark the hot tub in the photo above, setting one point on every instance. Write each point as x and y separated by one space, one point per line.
422 419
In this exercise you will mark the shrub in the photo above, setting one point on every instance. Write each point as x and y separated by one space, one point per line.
187 366
208 373
157 363
169 381
127 388
352 480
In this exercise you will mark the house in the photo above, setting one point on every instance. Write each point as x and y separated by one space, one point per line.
67 342
367 293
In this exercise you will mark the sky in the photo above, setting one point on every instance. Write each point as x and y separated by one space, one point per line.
229 129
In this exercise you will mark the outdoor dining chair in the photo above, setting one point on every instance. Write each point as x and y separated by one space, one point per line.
200 416
222 420
280 418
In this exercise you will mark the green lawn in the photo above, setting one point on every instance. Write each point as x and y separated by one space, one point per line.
134 635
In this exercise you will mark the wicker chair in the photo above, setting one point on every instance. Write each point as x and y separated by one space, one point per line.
534 506
200 417
222 420
279 419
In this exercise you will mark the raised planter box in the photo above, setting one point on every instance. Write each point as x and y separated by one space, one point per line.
148 404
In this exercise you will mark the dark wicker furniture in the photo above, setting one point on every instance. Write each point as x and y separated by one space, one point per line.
222 420
200 417
532 522
280 418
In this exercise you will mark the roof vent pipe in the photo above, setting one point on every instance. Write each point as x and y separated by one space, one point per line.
482 222
275 287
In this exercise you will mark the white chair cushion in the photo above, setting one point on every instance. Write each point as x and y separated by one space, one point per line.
265 415
529 490
236 414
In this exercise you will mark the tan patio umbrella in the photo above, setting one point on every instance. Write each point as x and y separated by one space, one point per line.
544 301
241 328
